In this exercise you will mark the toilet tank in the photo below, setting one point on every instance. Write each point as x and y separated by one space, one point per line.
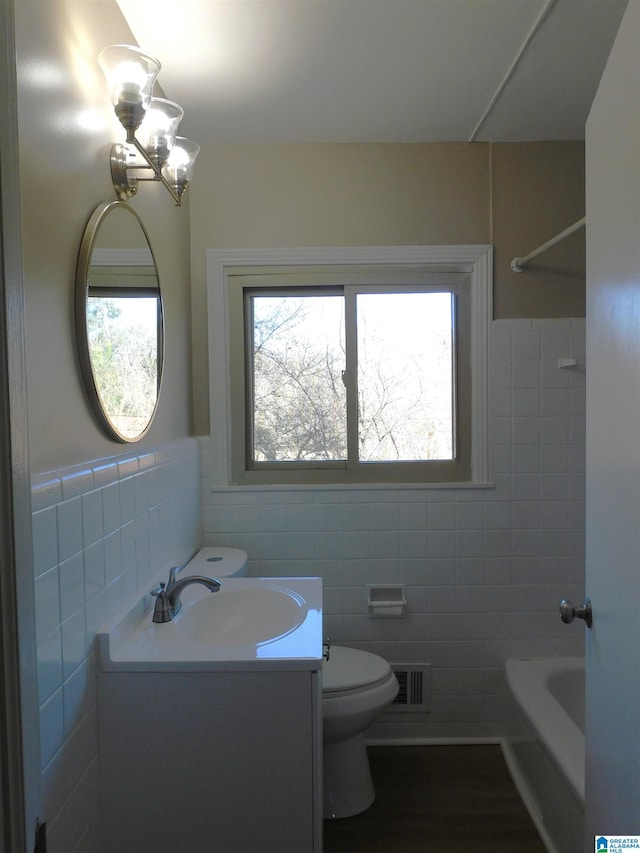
218 563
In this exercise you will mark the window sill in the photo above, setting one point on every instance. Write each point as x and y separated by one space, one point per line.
349 487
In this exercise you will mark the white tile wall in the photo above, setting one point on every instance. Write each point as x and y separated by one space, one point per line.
101 532
484 568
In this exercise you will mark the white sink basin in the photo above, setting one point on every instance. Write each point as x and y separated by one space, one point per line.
249 623
237 617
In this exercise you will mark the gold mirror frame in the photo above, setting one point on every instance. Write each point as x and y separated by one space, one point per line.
121 276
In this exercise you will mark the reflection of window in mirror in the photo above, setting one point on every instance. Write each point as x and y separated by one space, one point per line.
124 331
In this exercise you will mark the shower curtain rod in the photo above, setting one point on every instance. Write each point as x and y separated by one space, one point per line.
519 264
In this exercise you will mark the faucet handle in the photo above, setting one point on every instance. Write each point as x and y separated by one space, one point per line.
162 609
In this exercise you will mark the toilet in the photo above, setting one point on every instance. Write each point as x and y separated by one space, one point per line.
218 563
356 687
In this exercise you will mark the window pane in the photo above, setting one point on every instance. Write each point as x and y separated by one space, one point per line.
299 400
405 376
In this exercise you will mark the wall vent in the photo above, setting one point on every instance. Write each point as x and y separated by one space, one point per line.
415 687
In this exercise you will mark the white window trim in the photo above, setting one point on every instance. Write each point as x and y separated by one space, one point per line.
477 260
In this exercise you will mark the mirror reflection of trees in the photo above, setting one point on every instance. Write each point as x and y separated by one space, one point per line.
123 345
119 321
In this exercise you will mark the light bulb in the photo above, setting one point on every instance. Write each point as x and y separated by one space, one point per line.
158 130
130 75
178 169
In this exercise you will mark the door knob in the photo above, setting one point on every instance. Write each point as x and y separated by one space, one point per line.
568 612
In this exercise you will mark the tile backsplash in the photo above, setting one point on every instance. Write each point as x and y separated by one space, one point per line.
101 532
484 568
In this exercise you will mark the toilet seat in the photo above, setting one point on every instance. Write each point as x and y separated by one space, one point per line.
351 671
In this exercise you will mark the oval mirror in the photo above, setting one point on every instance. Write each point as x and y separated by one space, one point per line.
119 321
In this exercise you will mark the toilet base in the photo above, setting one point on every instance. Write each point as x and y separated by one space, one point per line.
347 784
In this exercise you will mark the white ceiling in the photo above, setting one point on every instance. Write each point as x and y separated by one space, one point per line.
250 71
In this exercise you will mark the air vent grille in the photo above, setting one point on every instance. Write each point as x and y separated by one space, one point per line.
415 687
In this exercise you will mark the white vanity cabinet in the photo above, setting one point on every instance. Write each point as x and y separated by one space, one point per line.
218 757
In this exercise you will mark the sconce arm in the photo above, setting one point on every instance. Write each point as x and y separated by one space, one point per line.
126 185
158 176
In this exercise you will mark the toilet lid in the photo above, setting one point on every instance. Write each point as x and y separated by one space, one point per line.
218 562
350 669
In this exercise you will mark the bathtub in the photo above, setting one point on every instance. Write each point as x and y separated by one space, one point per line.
544 748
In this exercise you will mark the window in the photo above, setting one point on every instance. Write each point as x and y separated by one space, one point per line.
349 372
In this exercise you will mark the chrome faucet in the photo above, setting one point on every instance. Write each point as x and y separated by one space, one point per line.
168 596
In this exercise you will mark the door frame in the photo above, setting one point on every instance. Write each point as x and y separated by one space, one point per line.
20 784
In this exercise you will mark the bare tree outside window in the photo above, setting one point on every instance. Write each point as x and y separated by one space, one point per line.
299 400
405 377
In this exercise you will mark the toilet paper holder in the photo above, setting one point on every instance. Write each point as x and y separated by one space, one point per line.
326 648
387 601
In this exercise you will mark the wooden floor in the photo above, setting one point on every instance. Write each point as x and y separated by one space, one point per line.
430 798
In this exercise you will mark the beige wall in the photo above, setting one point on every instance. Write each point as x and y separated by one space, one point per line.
512 195
66 127
515 196
537 192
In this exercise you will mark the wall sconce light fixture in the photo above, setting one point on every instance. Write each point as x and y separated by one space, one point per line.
131 75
